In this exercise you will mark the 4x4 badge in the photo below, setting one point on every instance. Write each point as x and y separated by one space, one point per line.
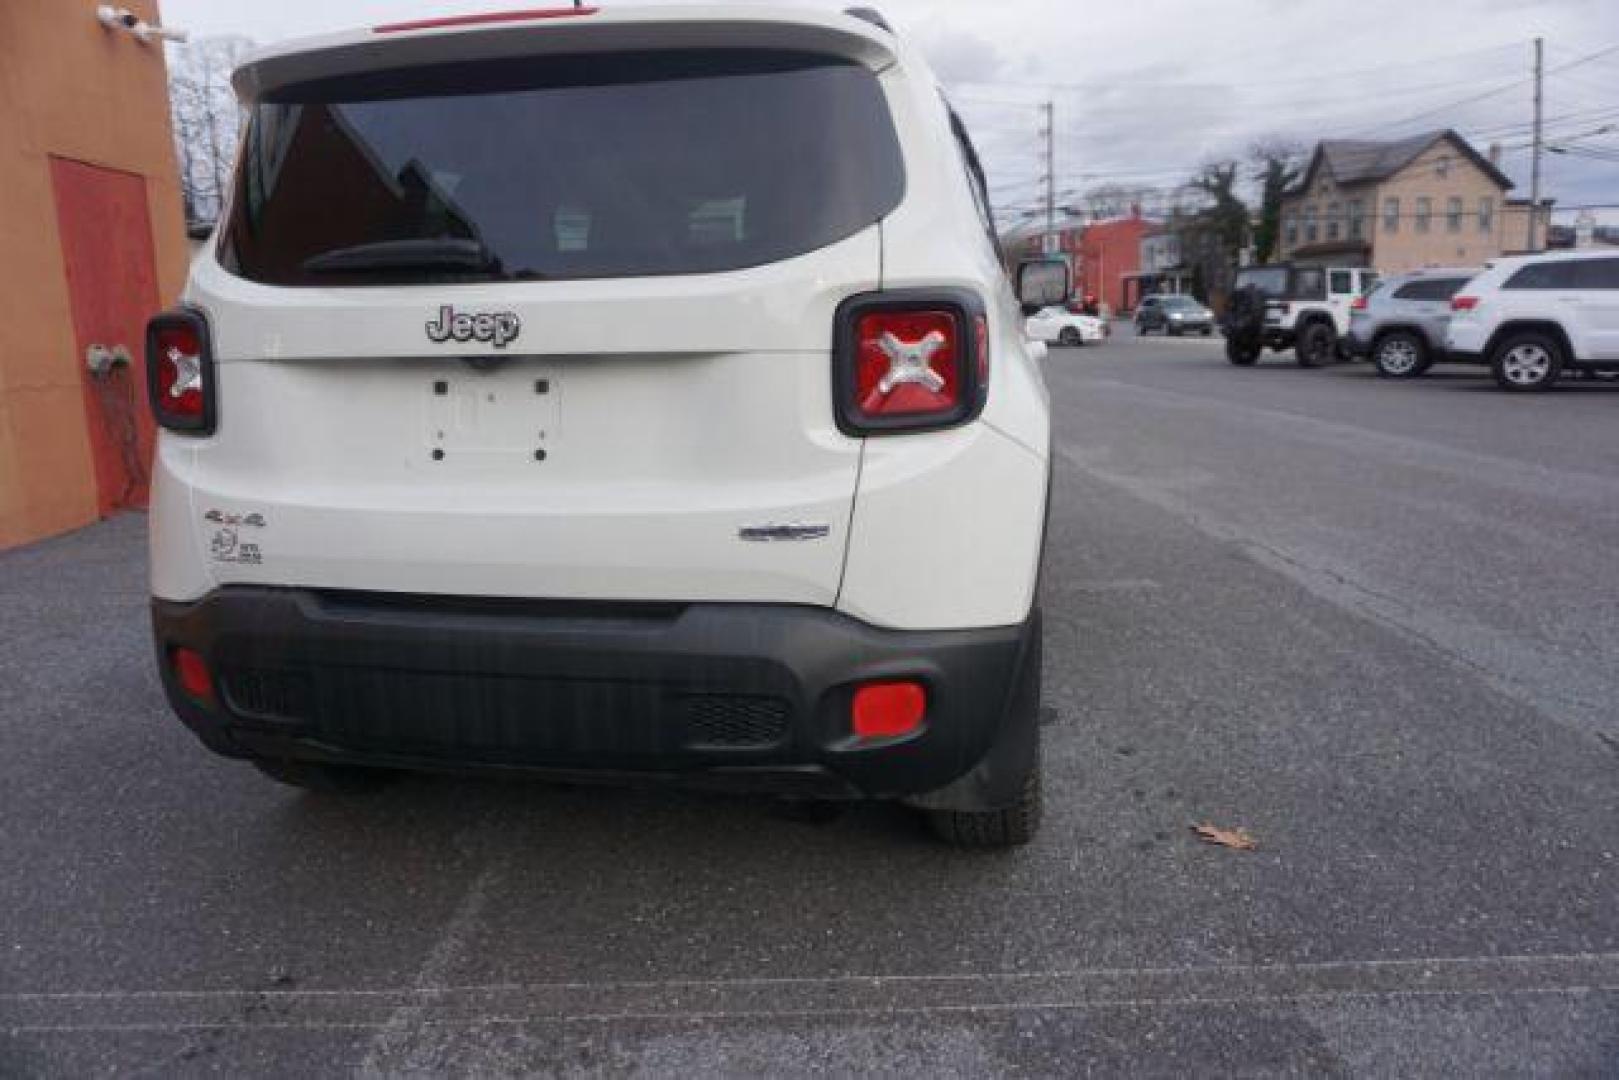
499 328
227 545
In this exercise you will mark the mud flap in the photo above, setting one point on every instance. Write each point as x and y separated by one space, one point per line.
996 782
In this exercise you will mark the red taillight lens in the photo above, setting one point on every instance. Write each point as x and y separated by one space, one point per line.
910 361
888 710
981 335
1358 304
180 371
191 672
1463 303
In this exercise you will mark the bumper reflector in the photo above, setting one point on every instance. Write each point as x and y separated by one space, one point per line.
191 672
887 710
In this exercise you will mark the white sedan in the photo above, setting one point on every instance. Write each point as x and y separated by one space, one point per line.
1059 326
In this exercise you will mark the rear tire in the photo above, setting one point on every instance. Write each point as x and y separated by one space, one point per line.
1527 362
1070 337
325 779
1240 354
1012 826
1315 345
1400 354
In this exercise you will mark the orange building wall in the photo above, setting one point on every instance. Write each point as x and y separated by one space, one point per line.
68 88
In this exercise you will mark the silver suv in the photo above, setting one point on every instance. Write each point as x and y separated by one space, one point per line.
1400 325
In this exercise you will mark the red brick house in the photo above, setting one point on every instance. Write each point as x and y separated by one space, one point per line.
1109 254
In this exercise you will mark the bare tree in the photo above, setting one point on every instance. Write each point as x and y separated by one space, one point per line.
1117 200
207 120
1277 165
1214 234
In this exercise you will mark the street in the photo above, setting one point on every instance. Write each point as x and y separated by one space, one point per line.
1372 623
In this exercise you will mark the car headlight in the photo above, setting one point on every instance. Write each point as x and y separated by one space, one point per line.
1176 315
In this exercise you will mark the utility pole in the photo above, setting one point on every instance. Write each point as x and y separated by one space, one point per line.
1049 131
1534 167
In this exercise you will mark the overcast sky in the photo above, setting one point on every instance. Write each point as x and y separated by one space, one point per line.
1147 90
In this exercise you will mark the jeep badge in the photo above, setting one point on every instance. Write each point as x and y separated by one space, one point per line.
499 328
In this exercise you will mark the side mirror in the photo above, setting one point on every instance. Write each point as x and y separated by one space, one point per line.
1042 283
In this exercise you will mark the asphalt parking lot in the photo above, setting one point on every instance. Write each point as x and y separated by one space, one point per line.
1373 624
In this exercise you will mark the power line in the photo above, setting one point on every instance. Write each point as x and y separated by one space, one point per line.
1386 92
1318 77
1580 117
1561 127
1448 106
1586 59
1472 98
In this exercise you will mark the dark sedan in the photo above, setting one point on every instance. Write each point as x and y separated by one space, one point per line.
1174 315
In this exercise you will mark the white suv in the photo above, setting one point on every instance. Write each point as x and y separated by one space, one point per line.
632 393
1533 317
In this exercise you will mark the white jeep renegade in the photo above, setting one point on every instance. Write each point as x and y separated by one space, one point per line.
632 394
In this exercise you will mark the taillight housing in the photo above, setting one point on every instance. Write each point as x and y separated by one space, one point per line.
910 360
1358 304
180 371
1463 303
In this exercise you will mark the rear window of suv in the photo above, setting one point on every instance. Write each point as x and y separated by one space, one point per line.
1430 289
561 168
1270 280
1544 275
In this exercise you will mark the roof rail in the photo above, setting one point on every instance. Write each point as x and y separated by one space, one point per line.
871 15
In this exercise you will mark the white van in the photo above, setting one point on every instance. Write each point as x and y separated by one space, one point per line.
623 394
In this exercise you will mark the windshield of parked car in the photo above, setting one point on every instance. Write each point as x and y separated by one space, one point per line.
1182 303
602 166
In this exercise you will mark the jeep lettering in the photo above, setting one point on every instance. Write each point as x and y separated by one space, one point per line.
498 329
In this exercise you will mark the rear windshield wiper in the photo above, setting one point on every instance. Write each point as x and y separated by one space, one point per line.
420 253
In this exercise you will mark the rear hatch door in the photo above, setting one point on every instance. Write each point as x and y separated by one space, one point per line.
559 328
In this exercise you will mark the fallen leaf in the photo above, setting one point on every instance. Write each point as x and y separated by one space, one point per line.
1237 839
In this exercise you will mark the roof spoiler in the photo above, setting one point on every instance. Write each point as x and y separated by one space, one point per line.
860 37
871 15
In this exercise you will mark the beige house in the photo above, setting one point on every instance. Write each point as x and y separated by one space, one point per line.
1428 200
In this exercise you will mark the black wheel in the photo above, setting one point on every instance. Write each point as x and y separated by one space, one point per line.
326 779
1315 345
1242 353
1527 361
1400 354
1070 337
1012 826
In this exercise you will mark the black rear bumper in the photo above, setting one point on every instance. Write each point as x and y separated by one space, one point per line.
736 695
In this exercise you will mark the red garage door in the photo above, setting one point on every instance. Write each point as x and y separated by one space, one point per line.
112 287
